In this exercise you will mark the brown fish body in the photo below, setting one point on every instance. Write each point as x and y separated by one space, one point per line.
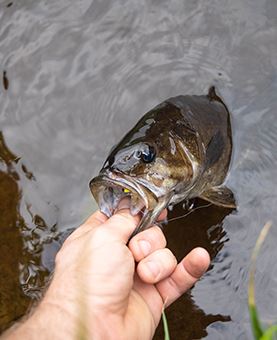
206 134
179 150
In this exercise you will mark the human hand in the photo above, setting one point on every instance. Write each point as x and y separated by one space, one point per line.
99 292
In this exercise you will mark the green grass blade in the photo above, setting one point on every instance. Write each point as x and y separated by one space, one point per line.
255 322
166 330
256 325
270 333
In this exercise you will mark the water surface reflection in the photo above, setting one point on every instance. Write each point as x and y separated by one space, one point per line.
78 76
202 227
22 274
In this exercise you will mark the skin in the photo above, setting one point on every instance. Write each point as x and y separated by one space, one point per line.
98 291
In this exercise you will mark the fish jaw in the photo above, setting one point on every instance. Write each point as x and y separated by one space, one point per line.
110 188
150 217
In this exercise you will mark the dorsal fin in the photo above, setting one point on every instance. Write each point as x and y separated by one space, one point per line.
212 94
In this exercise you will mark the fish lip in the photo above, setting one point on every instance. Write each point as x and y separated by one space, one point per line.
124 181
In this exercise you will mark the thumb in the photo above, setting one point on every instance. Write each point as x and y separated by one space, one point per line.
122 223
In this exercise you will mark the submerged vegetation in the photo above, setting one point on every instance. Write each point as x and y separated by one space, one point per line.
259 332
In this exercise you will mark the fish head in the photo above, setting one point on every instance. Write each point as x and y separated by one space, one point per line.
148 169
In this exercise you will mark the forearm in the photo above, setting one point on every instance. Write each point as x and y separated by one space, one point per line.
45 322
58 320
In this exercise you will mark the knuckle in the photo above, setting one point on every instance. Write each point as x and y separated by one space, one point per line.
168 252
153 235
160 236
169 259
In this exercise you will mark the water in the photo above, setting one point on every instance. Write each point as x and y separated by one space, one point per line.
75 77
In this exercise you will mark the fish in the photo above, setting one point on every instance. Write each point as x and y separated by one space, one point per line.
179 150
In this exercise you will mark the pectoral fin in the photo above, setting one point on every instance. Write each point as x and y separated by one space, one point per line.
221 196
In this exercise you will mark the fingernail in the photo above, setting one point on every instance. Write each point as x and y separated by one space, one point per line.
123 204
145 247
153 268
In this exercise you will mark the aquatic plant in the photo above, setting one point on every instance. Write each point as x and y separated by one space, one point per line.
165 325
269 333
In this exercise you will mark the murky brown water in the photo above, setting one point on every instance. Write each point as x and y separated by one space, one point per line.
75 76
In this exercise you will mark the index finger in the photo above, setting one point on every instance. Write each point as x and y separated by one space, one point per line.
93 221
123 223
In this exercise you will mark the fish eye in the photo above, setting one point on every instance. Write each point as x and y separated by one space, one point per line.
148 154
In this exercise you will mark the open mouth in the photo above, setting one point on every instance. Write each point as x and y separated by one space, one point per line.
109 189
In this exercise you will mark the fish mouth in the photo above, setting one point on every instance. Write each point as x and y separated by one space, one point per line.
110 188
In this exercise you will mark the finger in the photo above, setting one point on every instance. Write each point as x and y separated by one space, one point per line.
146 242
185 275
97 218
93 221
163 215
122 224
157 266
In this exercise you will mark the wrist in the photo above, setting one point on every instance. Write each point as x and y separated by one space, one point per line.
59 318
46 321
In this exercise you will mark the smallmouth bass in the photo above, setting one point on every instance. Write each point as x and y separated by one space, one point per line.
179 150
